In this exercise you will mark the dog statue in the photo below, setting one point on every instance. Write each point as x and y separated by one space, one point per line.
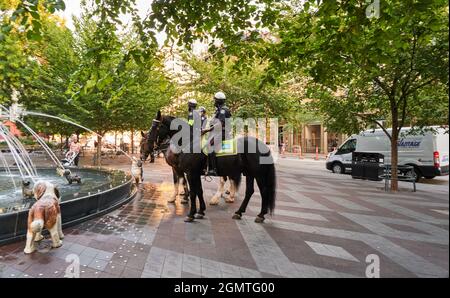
137 170
45 213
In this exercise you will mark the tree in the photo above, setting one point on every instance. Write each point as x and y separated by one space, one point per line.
110 91
183 21
47 91
16 69
146 91
245 95
368 67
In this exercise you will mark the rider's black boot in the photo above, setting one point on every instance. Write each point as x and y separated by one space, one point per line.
212 169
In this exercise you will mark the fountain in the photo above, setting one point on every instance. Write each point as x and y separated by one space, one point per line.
97 191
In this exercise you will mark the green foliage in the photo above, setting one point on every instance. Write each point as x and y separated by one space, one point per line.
185 21
245 96
368 69
15 67
85 77
28 14
47 91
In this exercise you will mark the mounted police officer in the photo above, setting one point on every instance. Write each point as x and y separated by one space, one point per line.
192 104
222 113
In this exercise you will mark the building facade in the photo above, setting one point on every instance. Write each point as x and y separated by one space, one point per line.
309 138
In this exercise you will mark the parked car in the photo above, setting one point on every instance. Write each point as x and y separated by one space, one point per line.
428 152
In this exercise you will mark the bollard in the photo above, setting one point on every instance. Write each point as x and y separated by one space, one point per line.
317 153
300 152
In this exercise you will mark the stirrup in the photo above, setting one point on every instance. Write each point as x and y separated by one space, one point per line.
211 172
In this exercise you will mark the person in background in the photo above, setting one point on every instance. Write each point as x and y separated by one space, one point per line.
75 147
203 116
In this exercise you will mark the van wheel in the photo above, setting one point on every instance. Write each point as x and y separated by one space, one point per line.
417 174
338 168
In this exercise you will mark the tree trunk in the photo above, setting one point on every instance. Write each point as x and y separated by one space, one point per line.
132 141
115 140
394 151
98 161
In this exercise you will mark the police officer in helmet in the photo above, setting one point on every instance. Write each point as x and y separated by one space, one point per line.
221 114
192 104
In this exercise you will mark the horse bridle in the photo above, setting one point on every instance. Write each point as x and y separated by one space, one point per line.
157 145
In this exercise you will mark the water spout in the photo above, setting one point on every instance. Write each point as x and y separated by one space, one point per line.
26 169
75 124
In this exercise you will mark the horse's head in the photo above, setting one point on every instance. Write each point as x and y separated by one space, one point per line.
158 134
144 145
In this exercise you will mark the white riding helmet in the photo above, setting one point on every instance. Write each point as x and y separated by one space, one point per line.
220 96
192 103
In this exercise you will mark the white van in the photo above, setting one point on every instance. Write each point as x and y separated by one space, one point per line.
427 152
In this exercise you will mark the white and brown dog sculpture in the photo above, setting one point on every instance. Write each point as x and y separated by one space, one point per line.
137 170
45 213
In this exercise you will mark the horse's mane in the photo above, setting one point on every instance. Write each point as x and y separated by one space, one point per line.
167 120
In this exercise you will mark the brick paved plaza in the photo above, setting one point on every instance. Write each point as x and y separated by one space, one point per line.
325 225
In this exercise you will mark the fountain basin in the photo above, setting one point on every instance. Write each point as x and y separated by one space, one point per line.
101 192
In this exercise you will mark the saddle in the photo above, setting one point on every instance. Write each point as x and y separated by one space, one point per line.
228 147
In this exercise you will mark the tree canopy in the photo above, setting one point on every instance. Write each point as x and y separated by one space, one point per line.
83 76
351 63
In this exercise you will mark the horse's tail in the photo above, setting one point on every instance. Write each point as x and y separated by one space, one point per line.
270 181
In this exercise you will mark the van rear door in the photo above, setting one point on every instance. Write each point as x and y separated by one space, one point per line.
441 153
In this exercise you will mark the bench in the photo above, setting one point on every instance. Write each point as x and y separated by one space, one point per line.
404 173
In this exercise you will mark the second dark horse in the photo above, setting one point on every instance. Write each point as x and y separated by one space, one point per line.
255 162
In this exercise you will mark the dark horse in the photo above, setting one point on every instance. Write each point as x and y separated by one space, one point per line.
193 164
177 175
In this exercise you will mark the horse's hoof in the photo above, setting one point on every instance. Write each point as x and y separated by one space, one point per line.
171 200
189 219
199 216
237 216
259 219
184 201
214 201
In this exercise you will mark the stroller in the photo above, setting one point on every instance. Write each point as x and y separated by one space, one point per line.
69 160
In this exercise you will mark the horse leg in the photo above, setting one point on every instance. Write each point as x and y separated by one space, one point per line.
249 190
176 183
215 199
192 195
185 195
227 192
264 207
233 189
201 212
